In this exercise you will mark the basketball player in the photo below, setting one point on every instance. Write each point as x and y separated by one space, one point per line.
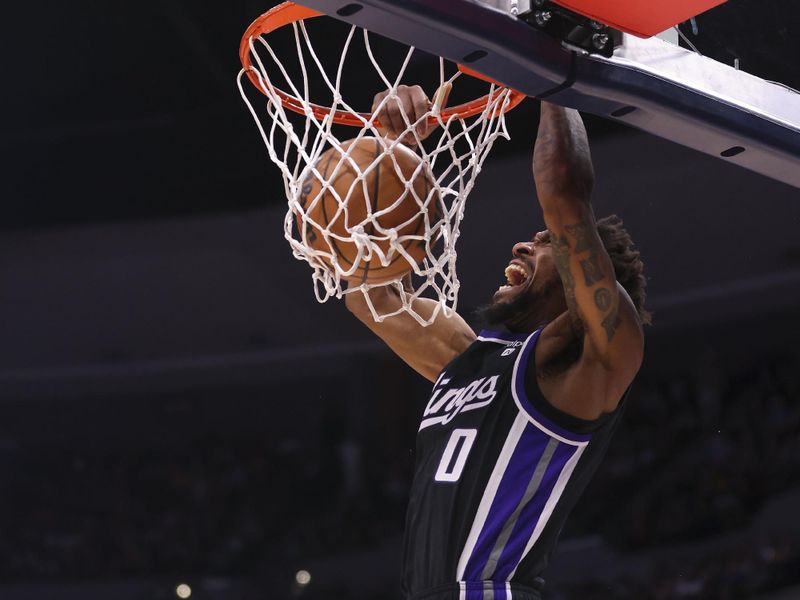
519 416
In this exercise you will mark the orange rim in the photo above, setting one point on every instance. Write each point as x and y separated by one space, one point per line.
288 13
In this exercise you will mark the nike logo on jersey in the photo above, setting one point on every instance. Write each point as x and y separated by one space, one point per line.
446 403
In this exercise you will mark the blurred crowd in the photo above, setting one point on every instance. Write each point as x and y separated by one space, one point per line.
217 506
741 572
697 456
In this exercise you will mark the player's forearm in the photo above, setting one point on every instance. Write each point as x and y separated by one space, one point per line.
564 180
384 299
425 349
562 162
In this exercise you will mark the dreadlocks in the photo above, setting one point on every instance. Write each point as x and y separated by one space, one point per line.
628 266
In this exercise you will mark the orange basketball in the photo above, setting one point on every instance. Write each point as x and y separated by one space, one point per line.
329 223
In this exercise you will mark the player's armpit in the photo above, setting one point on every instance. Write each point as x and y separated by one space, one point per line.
427 350
599 306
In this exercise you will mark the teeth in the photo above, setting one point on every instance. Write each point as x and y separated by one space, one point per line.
515 275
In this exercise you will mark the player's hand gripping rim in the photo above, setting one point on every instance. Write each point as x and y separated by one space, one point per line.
412 102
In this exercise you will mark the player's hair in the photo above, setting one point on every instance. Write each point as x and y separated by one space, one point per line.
628 266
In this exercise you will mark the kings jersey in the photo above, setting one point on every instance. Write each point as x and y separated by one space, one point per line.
498 470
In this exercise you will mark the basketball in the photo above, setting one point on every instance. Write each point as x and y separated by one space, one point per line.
378 201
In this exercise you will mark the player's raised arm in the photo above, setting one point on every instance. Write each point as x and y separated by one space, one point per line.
427 350
598 306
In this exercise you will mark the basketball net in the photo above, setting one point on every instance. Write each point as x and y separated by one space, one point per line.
453 156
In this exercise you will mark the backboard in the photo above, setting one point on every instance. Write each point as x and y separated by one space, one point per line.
647 83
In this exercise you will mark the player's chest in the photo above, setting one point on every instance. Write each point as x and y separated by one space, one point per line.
469 408
469 389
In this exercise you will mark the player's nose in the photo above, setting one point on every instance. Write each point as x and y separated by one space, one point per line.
522 249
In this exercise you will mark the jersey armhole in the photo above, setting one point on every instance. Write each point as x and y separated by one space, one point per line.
540 412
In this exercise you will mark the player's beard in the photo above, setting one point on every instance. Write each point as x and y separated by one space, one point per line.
520 312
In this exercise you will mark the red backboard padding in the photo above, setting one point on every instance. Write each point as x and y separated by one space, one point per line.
644 18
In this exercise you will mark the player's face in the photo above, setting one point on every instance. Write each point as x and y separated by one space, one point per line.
532 293
531 269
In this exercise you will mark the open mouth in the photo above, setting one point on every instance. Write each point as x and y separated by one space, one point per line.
516 276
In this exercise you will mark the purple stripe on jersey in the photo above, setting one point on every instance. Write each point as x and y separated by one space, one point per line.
510 491
530 515
474 590
523 361
504 335
500 591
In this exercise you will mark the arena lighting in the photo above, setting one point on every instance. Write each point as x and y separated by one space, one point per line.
183 591
302 577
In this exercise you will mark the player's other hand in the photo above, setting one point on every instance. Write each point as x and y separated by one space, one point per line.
412 102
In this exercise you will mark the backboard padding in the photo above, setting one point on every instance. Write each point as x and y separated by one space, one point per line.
643 18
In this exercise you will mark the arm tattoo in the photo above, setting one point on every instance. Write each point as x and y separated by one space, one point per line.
582 234
592 273
602 299
561 258
611 322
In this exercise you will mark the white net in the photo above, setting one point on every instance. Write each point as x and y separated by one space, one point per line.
355 242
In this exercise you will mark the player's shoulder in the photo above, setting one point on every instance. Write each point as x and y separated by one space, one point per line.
497 349
475 348
505 338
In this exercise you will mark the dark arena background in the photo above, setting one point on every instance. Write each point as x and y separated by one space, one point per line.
179 418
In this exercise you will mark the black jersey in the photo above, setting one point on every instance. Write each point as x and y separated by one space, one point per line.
497 471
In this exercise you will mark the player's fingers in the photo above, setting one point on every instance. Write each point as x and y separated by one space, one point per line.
410 98
407 117
395 124
420 108
428 107
379 115
376 101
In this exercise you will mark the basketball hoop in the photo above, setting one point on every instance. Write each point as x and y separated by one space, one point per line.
466 133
